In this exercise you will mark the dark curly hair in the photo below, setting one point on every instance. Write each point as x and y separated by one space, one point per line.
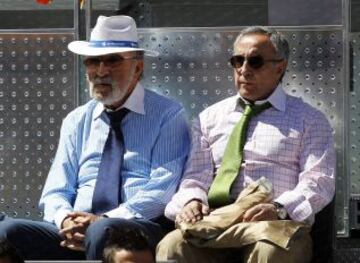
7 251
129 239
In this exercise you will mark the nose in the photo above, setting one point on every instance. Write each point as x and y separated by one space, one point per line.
244 70
102 69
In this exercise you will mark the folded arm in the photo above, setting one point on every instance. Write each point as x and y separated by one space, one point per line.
60 188
316 186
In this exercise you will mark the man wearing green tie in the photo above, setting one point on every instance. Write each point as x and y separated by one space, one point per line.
259 132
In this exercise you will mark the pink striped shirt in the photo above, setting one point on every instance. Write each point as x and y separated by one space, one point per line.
290 143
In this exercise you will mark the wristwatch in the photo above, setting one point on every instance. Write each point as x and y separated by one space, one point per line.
281 211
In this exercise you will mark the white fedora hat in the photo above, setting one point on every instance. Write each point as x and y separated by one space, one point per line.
112 34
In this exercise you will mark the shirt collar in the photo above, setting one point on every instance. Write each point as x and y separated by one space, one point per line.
134 103
277 99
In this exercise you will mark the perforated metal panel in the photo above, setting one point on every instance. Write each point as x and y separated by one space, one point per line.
36 92
354 126
347 255
193 68
353 131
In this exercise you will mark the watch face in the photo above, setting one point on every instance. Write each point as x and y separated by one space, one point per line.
281 212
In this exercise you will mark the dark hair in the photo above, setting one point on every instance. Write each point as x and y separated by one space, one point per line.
10 252
129 239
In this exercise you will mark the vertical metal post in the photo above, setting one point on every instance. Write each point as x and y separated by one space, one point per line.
76 59
346 76
76 18
88 9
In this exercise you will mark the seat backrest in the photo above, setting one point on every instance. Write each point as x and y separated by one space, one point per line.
322 233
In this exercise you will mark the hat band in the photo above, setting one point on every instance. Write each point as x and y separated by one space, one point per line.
114 43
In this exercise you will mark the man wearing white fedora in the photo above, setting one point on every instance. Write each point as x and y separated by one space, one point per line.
119 159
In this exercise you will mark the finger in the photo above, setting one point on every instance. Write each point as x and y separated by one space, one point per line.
250 213
67 236
205 209
67 243
257 217
78 237
266 214
71 214
182 217
178 219
197 213
65 231
78 215
63 243
82 219
73 245
67 222
75 237
72 229
80 229
188 215
69 229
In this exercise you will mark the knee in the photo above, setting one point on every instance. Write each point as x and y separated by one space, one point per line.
8 228
264 251
171 246
98 232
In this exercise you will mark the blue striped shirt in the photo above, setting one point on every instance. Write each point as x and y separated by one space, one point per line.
156 139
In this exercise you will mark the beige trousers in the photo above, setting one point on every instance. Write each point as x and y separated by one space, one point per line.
174 246
223 237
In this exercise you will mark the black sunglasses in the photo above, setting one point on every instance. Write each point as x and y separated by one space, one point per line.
109 61
255 62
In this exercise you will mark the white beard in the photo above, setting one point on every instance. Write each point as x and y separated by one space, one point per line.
115 95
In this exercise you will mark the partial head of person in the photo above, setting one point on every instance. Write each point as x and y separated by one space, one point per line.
127 246
9 254
113 59
259 60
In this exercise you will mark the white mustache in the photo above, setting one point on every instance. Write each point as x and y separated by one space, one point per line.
103 81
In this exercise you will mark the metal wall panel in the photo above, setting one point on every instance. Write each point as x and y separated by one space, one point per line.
36 92
354 126
350 255
354 131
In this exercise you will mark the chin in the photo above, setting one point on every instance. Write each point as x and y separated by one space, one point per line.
246 95
98 96
105 101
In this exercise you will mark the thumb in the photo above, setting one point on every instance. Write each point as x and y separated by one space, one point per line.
205 209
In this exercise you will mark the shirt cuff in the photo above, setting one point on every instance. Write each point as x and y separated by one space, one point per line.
181 198
60 216
122 212
297 206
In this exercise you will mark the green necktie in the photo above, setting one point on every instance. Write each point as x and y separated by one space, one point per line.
219 193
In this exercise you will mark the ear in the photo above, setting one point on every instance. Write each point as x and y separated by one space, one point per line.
281 67
139 67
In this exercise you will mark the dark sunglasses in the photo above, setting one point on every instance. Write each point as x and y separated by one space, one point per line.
255 62
109 61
